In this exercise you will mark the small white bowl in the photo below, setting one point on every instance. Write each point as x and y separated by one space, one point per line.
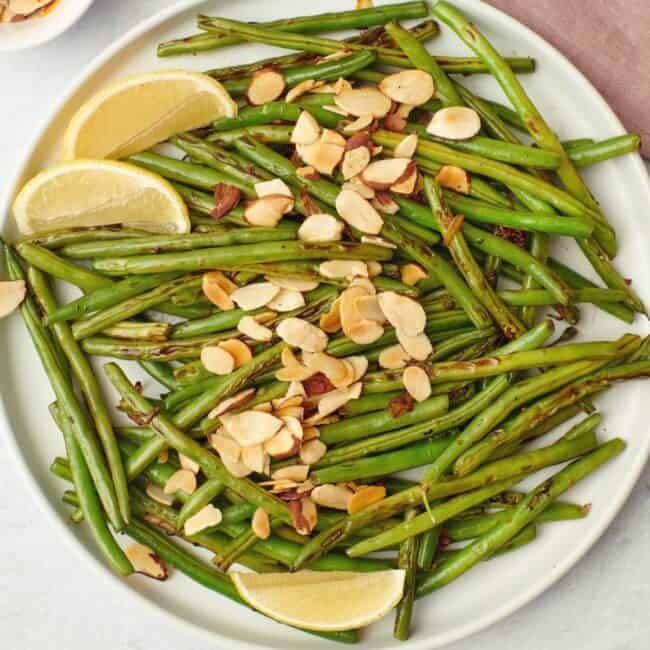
40 29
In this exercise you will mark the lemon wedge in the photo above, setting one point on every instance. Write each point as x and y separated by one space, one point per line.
86 193
139 111
325 601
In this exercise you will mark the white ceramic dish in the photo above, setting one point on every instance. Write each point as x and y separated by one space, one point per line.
491 591
40 29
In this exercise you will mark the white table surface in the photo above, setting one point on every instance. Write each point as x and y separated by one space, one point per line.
47 598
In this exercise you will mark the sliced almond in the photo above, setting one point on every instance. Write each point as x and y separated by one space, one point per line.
323 155
321 228
267 212
254 296
287 300
275 186
365 283
349 313
383 202
331 321
411 274
239 351
217 289
403 313
374 268
310 432
146 562
181 479
296 473
381 174
302 88
333 496
404 110
292 411
294 372
455 123
265 86
407 146
205 519
302 334
217 360
294 284
311 452
261 524
357 186
307 130
407 185
417 347
365 332
251 427
282 445
280 402
188 463
364 4
354 162
362 122
408 87
12 293
369 309
359 366
417 383
303 515
377 241
454 178
265 317
226 447
264 407
226 198
356 211
330 366
232 402
254 457
335 399
333 269
363 101
293 424
235 467
329 136
335 109
340 84
295 388
158 494
393 357
250 327
307 172
365 497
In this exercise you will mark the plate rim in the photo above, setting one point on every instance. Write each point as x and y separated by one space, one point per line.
567 562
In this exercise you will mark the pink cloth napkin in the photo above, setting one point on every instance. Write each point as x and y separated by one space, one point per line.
609 40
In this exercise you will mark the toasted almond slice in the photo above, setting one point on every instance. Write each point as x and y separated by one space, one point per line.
188 463
276 186
333 269
374 268
232 402
158 494
293 424
235 467
454 178
12 293
331 321
359 366
302 334
282 445
310 432
407 146
268 211
383 202
306 131
217 360
265 317
264 407
362 122
265 86
294 400
408 185
250 327
294 284
181 479
340 84
355 161
311 452
296 388
408 87
347 378
455 123
417 347
329 136
403 313
377 241
365 332
146 562
294 372
357 186
411 274
303 515
225 446
322 156
369 309
296 473
307 172
287 300
302 88
361 101
417 383
333 496
254 458
293 411
321 228
205 519
349 313
404 110
254 296
365 497
217 289
239 351
335 399
356 211
365 283
330 366
393 357
251 427
335 109
381 174
261 524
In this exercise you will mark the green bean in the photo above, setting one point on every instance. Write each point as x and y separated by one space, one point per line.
161 372
407 560
540 297
589 153
204 495
55 239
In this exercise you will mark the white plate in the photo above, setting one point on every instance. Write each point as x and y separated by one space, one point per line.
489 592
41 29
